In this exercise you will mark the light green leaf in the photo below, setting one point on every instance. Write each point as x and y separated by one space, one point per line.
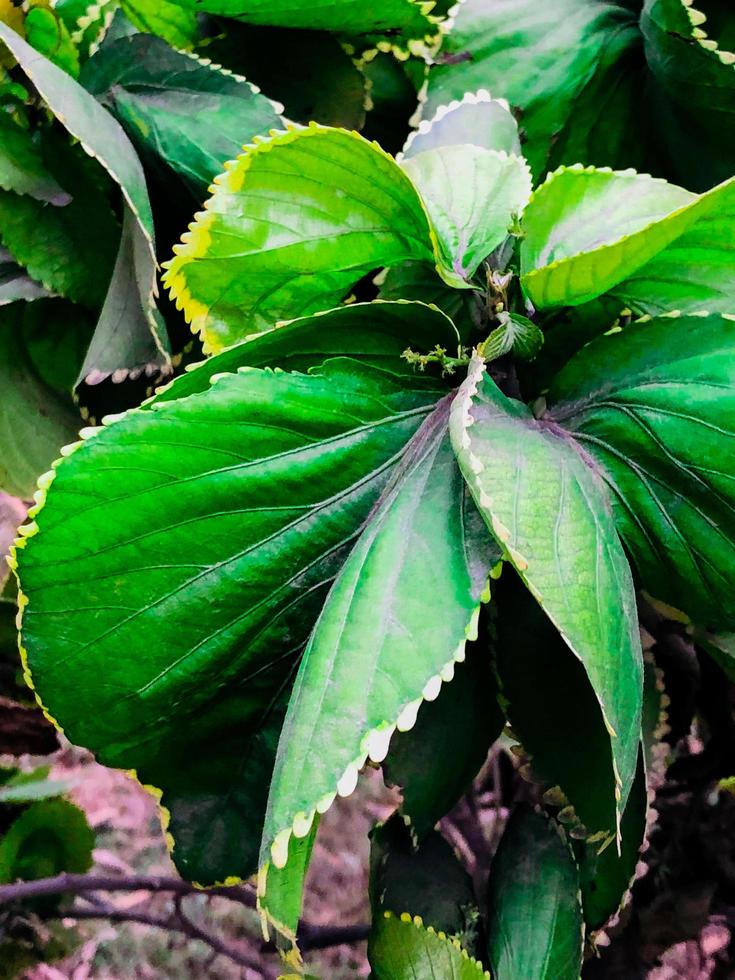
409 17
29 787
35 420
21 165
103 138
280 904
471 195
435 761
290 227
48 34
535 924
165 19
49 837
177 109
550 512
475 120
654 407
219 478
395 623
402 949
556 61
590 231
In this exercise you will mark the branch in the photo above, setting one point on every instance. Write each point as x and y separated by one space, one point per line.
78 884
313 937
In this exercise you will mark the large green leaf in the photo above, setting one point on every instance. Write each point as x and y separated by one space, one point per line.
471 195
569 65
164 18
206 544
435 761
70 250
176 108
46 31
690 50
400 948
535 922
35 420
395 623
290 227
656 245
339 16
21 165
654 406
375 333
550 512
103 138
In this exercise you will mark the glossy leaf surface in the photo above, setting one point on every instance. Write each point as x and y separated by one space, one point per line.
549 511
475 120
401 948
655 407
219 477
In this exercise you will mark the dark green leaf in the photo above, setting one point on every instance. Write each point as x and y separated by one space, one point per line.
182 111
49 837
535 923
21 165
654 406
15 283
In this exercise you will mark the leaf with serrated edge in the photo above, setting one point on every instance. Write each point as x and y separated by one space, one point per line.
219 477
654 406
15 283
549 511
186 112
535 924
545 59
394 624
589 231
103 138
476 119
401 948
471 195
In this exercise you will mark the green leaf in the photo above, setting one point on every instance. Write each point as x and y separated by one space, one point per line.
471 195
69 250
21 165
164 18
29 787
590 231
535 922
15 283
392 98
290 227
103 138
516 333
280 905
550 511
436 760
374 333
35 420
692 59
425 880
183 112
475 120
188 500
335 95
654 407
48 34
402 949
558 62
49 837
408 17
421 281
394 624
721 648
